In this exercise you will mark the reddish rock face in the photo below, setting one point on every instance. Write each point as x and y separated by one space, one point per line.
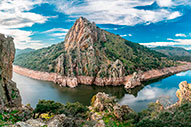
83 34
85 54
9 94
129 81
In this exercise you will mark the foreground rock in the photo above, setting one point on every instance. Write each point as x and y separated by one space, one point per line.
102 108
9 94
103 105
184 92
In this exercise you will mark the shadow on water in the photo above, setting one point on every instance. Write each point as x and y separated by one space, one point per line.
84 93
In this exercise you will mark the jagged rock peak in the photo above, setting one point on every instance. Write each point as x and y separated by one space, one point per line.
82 34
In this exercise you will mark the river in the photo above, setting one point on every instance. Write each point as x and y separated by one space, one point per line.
32 91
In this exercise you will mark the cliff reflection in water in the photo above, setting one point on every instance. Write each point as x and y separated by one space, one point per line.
32 90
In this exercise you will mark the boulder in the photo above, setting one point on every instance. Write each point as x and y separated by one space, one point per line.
135 80
184 92
61 121
103 105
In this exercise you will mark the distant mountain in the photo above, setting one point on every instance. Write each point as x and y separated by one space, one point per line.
91 51
172 51
22 51
176 53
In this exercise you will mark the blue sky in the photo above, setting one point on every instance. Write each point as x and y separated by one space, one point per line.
41 23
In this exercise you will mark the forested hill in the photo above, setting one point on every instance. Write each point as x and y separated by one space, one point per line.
23 51
175 53
90 51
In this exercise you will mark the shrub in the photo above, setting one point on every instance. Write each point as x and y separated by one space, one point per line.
44 106
74 110
179 116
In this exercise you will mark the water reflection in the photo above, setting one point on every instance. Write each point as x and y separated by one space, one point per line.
32 90
147 95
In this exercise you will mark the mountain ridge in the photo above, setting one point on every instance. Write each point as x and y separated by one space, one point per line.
172 51
176 53
91 51
23 51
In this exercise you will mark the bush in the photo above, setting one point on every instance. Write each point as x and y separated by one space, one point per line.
70 109
74 110
177 117
44 106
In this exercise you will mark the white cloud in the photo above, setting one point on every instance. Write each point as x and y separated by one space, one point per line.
15 15
62 37
180 35
123 35
121 12
56 30
174 15
33 45
59 34
174 42
130 35
170 39
113 28
182 2
164 3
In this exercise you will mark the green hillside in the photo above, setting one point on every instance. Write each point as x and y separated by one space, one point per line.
23 51
98 53
175 53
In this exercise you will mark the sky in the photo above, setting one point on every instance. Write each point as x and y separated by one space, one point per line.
41 23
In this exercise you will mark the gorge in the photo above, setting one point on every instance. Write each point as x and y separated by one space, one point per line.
101 106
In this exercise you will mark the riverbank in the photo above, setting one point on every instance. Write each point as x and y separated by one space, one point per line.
86 80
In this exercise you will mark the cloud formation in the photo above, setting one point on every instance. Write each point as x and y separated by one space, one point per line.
173 42
180 35
56 30
120 12
15 15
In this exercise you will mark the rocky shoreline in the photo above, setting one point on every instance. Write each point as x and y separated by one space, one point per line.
129 81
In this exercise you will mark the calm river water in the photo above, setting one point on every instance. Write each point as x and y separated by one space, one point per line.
33 90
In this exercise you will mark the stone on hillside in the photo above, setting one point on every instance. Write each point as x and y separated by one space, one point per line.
135 80
30 123
102 104
61 121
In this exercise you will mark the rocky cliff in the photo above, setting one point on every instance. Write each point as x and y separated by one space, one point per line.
85 54
90 54
9 94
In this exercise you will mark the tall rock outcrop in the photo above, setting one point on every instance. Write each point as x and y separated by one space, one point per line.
9 94
85 54
90 55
